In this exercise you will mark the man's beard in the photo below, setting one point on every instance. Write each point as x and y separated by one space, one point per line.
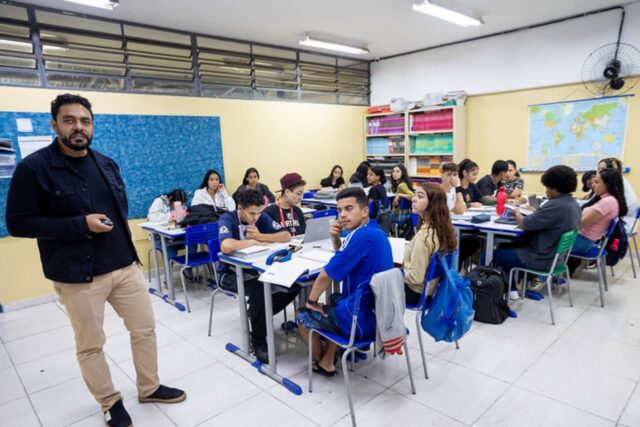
76 147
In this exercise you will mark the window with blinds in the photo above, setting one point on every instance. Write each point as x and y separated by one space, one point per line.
65 50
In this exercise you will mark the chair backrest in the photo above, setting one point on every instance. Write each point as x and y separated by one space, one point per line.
309 194
214 249
373 209
602 244
200 234
324 213
563 249
415 219
635 222
405 204
358 303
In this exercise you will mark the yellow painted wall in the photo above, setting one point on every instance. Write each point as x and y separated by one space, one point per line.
274 137
498 128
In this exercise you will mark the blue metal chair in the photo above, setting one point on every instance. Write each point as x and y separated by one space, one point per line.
598 254
435 271
631 236
351 345
324 213
195 235
309 194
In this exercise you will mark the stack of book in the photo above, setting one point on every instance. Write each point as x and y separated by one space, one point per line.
385 125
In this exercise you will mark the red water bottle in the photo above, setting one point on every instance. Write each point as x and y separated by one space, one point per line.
614 246
501 199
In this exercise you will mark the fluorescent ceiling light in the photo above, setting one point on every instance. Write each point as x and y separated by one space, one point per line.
448 13
102 4
321 44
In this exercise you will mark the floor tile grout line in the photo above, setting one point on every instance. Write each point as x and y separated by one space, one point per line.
624 408
542 354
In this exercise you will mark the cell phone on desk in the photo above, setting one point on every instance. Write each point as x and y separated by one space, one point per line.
294 248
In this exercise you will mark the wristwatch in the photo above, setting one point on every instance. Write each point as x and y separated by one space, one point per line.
312 302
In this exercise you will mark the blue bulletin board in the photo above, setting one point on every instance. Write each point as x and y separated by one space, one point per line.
155 153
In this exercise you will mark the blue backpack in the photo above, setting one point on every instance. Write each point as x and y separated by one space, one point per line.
450 314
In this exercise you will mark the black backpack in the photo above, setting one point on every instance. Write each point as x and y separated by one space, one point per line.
490 297
618 244
202 214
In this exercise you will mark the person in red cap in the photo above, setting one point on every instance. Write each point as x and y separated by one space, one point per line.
285 210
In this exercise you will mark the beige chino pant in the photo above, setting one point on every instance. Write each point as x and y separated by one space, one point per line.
125 289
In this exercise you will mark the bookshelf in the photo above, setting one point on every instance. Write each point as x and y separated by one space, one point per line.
431 136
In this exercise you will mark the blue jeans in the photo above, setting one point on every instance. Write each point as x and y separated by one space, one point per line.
507 258
582 245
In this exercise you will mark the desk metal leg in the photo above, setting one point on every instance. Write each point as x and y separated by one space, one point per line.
156 267
488 252
243 350
170 296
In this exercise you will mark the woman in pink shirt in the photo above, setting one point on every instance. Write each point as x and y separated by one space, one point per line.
609 203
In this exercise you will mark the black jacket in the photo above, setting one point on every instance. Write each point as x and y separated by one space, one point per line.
48 201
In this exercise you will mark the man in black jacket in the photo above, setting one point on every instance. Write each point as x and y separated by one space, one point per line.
72 199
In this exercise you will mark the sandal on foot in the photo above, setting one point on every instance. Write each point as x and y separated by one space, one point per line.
321 371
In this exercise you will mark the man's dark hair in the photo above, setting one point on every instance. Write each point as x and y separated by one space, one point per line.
67 98
498 167
249 198
449 167
356 193
561 178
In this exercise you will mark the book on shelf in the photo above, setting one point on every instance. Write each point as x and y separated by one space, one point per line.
431 120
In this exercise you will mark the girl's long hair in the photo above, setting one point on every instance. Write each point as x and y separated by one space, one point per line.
245 180
205 180
403 178
615 186
437 217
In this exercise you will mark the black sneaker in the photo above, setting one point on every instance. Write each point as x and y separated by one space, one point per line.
117 416
261 352
164 394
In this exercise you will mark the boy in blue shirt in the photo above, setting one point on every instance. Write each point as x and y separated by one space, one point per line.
364 252
248 226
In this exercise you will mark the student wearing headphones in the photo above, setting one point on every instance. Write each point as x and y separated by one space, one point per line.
285 210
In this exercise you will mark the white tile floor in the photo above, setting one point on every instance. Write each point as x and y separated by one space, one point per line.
584 371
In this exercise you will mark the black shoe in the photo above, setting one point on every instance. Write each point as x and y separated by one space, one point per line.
164 394
117 416
261 352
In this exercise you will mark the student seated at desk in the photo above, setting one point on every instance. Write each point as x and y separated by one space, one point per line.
213 193
468 173
435 233
360 176
608 204
365 252
513 183
450 183
488 184
334 180
240 229
537 248
251 181
285 211
377 192
161 210
629 195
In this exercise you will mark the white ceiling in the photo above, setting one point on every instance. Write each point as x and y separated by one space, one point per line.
386 27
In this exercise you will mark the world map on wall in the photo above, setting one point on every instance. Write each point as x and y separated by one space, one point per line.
576 133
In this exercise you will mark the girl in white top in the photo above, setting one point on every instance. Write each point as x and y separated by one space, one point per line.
212 192
160 209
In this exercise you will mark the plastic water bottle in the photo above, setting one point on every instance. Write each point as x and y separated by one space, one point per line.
501 199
